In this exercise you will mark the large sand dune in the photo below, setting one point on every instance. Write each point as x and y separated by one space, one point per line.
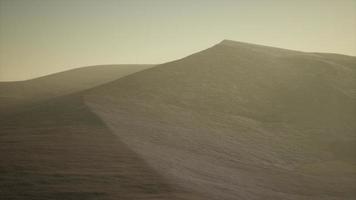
235 121
242 121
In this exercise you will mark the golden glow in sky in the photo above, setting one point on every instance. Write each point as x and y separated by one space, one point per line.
40 37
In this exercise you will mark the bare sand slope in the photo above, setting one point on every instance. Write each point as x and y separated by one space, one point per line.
18 94
241 121
57 148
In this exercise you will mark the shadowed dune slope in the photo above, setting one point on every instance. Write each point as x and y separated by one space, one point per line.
241 121
17 94
61 150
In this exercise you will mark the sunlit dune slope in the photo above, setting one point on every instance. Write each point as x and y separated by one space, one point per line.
242 121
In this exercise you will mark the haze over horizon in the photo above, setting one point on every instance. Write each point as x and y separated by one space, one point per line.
43 37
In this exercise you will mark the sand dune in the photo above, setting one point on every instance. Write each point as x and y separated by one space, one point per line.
235 121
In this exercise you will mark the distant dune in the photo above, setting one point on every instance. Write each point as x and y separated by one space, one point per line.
235 121
21 93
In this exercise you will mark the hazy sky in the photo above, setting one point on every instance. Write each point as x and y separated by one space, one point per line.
38 37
